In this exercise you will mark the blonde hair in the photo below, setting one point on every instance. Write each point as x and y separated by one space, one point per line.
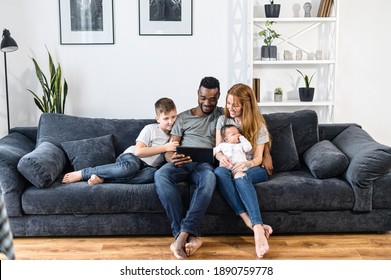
252 119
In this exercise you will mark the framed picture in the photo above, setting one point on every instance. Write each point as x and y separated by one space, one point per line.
166 17
84 22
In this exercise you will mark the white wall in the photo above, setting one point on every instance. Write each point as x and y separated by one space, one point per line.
124 80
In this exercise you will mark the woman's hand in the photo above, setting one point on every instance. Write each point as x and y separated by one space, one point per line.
267 163
224 160
241 166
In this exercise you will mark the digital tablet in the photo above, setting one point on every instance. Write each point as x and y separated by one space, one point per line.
197 154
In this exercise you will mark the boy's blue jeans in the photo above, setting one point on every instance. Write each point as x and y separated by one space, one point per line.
240 192
201 174
128 168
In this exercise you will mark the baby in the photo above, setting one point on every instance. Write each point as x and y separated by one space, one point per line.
235 146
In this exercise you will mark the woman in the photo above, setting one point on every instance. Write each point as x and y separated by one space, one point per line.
242 110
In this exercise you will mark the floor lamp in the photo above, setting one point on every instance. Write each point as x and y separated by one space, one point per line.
7 45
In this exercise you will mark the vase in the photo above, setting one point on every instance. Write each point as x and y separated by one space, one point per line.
272 10
306 94
278 97
269 52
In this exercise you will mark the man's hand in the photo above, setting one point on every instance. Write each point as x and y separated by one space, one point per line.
179 159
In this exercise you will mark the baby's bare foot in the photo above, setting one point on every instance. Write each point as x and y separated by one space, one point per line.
193 244
72 177
94 179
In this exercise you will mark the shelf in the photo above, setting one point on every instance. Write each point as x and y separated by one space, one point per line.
295 103
297 19
292 62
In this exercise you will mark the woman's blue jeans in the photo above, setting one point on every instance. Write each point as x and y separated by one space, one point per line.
240 192
128 168
166 178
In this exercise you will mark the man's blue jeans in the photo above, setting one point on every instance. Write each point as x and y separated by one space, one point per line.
240 192
128 168
201 174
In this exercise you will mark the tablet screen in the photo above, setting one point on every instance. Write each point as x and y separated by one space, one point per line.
197 154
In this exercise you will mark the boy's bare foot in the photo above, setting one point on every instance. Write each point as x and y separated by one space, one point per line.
72 177
193 244
95 179
261 245
178 247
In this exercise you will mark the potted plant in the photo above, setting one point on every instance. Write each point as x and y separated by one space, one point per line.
268 52
54 91
306 93
272 10
278 94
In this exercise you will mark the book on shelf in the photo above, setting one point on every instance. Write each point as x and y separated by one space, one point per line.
325 8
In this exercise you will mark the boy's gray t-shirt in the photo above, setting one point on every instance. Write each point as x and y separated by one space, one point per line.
197 131
151 135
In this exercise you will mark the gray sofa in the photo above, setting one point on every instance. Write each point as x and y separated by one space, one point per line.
328 178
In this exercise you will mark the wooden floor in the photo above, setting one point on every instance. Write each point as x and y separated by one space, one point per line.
282 247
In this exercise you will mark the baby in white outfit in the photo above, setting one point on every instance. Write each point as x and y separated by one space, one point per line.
235 146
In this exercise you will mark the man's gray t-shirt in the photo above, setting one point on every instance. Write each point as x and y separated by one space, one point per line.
197 131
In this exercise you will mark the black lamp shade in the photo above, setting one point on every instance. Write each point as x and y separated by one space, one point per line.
8 44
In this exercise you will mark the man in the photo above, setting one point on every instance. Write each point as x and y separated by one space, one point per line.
195 127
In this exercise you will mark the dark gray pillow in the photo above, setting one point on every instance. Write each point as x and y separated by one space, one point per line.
43 165
325 160
283 150
369 160
90 152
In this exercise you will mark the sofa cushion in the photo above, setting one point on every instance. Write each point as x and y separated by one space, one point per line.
304 127
283 149
90 152
325 160
43 165
57 128
369 160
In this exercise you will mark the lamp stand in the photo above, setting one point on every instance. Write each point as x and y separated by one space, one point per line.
6 92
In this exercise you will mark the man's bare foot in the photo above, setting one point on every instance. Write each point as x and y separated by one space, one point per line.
192 245
95 179
261 245
178 247
72 177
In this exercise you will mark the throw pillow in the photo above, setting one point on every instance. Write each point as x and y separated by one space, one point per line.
325 160
369 160
43 165
283 150
90 152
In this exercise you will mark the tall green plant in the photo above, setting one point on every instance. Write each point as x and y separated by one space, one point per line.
307 80
268 33
54 92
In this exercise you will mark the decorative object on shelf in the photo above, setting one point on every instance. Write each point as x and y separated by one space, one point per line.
325 8
268 52
287 55
86 22
306 93
307 9
8 44
165 18
319 55
278 94
299 54
256 89
272 10
54 92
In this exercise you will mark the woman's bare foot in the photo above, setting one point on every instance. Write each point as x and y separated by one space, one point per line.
95 179
261 245
72 177
192 245
268 230
178 247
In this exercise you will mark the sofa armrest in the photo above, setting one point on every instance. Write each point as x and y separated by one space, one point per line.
12 148
368 161
330 131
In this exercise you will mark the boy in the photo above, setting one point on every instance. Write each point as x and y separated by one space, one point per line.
138 163
235 146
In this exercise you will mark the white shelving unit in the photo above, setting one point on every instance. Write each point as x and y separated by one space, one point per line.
307 34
